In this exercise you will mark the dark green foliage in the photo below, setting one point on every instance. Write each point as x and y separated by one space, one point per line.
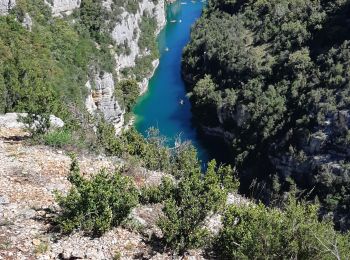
189 200
158 194
92 16
129 90
185 160
45 71
193 199
150 151
273 74
96 205
27 71
58 138
257 232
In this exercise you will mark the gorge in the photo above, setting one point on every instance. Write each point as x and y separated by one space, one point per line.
111 112
165 104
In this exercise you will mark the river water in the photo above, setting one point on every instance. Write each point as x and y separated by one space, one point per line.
165 105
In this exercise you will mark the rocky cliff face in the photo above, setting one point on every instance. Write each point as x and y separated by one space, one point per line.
101 99
127 32
322 148
6 5
63 6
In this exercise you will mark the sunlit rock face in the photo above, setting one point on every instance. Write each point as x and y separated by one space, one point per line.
63 6
6 6
126 31
101 99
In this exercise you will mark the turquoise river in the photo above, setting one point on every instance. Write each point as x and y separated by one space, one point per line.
165 105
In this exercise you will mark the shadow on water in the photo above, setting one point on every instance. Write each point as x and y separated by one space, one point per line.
165 104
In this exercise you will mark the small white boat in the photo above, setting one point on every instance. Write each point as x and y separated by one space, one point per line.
173 21
166 49
182 102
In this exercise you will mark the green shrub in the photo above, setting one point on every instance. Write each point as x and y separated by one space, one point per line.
193 199
257 232
58 138
184 160
107 139
128 90
96 205
157 194
151 150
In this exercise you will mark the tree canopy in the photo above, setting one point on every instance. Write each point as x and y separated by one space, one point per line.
274 74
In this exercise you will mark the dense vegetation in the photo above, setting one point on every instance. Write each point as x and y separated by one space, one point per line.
189 203
44 70
189 198
295 233
274 76
98 204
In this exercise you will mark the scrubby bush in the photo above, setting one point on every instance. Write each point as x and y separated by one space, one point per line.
189 198
258 232
150 150
158 194
58 138
190 201
127 91
95 205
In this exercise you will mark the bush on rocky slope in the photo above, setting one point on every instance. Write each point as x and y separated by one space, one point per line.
96 205
271 78
257 232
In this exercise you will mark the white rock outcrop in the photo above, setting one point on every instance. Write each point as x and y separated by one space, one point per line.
27 22
6 6
127 31
101 99
63 6
12 120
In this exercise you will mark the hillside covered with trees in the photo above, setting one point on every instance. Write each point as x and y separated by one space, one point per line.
268 79
47 59
272 79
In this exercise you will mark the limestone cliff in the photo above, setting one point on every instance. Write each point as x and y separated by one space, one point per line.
127 32
101 99
6 5
63 6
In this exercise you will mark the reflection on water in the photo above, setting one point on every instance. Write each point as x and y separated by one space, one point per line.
165 104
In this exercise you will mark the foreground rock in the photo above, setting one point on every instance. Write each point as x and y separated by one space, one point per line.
28 177
12 121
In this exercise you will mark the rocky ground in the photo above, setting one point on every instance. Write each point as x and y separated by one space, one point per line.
28 177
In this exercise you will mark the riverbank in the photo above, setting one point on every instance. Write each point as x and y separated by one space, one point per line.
164 104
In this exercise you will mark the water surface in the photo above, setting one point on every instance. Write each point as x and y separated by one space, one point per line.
165 105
